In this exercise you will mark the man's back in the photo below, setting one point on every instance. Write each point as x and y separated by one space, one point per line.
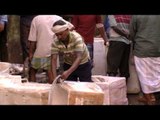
146 35
85 25
41 33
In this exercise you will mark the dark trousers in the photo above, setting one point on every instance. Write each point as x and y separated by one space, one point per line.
118 59
91 52
25 23
3 45
83 72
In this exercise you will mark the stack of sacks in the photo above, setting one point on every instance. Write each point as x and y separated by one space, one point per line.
114 88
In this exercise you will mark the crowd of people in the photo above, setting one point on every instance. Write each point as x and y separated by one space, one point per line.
46 37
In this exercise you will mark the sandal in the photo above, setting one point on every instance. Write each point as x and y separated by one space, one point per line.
142 99
148 99
151 100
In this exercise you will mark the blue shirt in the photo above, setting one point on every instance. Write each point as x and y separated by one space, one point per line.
106 24
3 19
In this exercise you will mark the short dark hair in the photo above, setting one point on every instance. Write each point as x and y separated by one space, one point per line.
59 22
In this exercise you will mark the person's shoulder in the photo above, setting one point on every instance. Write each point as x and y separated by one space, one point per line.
75 34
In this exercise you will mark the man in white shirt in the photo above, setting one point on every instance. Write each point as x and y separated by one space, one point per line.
41 38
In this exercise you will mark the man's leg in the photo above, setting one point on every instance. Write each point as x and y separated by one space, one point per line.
84 72
50 76
32 74
114 54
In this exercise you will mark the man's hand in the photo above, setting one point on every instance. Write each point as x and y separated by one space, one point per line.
65 75
1 27
107 43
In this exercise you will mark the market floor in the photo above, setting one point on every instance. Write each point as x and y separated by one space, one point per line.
132 99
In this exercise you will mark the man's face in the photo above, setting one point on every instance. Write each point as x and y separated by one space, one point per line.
62 35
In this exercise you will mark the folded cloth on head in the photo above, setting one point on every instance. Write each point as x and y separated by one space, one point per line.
59 28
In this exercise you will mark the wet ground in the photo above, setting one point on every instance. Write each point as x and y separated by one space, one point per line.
132 99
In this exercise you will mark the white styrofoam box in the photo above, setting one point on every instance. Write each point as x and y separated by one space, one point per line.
4 67
76 93
133 85
23 93
11 78
100 51
5 83
114 88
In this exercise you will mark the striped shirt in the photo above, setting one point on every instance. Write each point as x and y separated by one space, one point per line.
76 44
122 22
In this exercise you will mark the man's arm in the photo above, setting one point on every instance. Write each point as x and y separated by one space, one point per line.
133 28
1 27
103 34
113 25
32 48
54 64
120 31
74 66
101 29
